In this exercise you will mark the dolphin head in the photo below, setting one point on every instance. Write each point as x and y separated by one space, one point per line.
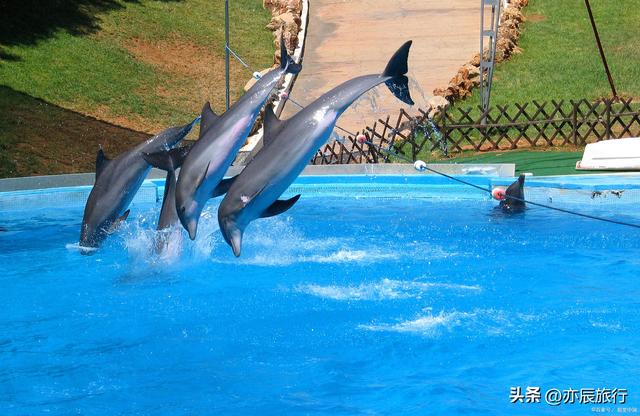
91 236
230 220
188 211
232 233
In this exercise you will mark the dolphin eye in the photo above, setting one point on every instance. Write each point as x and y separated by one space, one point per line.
183 209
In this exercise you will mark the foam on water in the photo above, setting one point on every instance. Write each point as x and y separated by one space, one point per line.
493 322
383 289
428 325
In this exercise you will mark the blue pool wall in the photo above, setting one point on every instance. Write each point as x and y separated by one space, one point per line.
359 181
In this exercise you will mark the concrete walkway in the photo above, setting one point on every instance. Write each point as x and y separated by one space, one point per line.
348 38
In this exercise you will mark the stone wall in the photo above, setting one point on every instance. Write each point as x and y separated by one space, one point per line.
468 76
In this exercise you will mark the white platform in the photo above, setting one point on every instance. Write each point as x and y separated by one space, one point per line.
617 154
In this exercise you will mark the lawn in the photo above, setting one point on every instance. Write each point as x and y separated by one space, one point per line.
538 162
140 64
78 73
560 59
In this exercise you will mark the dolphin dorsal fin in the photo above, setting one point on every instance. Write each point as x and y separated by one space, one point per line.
279 206
272 125
208 118
101 162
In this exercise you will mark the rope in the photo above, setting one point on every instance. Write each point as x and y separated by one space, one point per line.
566 211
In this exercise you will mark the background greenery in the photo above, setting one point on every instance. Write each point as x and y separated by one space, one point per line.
139 64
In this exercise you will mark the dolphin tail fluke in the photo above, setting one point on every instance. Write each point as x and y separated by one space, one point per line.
397 69
286 61
279 207
168 160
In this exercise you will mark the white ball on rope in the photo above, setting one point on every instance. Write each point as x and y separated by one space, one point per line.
419 165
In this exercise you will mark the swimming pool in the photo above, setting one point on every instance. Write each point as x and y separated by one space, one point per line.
373 295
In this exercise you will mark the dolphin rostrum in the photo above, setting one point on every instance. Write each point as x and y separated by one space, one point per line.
117 182
290 144
516 189
220 139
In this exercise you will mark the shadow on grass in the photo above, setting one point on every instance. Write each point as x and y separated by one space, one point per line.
26 22
39 138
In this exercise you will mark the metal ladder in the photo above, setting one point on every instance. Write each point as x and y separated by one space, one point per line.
486 65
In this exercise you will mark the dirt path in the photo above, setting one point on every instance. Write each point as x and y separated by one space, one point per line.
349 38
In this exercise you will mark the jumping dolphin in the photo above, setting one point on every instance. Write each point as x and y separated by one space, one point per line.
220 139
170 161
516 189
290 144
117 182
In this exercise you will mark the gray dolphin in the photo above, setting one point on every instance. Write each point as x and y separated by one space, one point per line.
290 144
170 161
117 182
515 190
220 139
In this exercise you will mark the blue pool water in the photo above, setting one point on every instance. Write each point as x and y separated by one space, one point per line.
344 305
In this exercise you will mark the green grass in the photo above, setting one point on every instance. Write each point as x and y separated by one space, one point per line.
540 163
560 59
144 64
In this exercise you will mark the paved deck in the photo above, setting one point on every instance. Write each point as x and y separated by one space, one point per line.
349 38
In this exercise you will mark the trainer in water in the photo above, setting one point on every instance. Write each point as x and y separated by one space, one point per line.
117 182
289 145
220 139
511 200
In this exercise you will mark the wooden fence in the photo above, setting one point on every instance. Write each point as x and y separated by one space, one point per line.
517 126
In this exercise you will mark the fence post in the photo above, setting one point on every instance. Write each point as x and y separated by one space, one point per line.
443 128
608 119
574 122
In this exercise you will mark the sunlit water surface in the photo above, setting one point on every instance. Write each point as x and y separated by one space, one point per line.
340 306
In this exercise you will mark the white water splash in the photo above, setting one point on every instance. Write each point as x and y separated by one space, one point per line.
269 242
384 289
428 325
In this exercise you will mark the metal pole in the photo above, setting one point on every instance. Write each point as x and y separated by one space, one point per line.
226 48
604 59
482 54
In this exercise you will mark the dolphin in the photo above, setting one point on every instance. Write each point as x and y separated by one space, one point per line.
170 161
290 144
220 139
516 189
117 182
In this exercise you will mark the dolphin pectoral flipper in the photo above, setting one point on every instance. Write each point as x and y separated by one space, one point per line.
114 225
168 160
397 68
203 175
280 206
223 187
